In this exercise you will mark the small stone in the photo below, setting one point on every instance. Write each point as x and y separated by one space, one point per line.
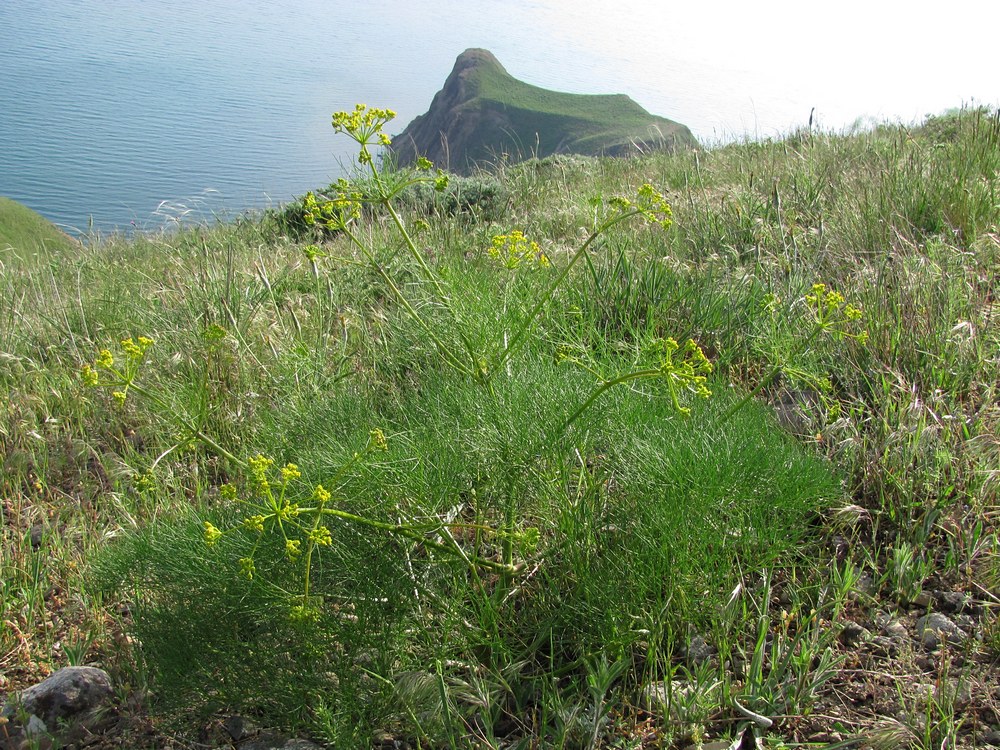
852 634
935 626
239 728
881 618
952 601
896 629
274 741
965 622
67 695
866 584
923 600
382 738
659 696
699 651
35 727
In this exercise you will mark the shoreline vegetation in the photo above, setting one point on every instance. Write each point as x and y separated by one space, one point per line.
670 450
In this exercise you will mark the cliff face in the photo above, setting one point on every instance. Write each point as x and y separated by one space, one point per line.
482 113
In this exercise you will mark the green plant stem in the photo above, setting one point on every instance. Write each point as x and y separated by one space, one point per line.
414 533
518 337
445 352
401 530
442 297
386 200
597 393
775 372
195 432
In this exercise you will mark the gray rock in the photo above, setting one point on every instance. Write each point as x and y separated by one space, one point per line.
895 629
669 698
239 728
952 601
923 600
883 646
699 651
853 634
35 727
935 628
71 694
273 741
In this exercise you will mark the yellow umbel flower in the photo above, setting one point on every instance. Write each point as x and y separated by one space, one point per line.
212 533
514 249
321 536
89 375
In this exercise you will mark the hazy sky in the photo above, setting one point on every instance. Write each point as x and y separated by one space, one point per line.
767 62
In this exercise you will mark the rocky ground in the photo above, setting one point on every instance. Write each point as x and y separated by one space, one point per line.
914 675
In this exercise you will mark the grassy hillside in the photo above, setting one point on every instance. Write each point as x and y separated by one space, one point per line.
504 510
24 231
612 113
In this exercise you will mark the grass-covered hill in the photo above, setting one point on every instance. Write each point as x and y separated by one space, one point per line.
483 114
559 468
23 230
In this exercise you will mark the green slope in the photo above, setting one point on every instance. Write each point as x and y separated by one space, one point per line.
24 231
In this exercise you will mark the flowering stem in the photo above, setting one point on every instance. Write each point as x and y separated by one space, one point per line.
518 337
449 357
775 372
195 431
599 391
442 297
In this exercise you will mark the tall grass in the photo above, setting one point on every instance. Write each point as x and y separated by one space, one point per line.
632 529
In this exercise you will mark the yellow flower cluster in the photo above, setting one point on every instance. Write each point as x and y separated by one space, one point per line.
377 440
362 122
90 376
312 252
834 314
654 206
333 213
321 536
259 468
648 203
212 533
685 369
134 351
254 523
514 250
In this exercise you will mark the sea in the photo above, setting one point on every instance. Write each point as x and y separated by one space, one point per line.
139 115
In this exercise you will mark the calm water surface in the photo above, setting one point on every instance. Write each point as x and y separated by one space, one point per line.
121 113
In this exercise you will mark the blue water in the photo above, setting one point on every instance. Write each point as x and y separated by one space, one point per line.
122 113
